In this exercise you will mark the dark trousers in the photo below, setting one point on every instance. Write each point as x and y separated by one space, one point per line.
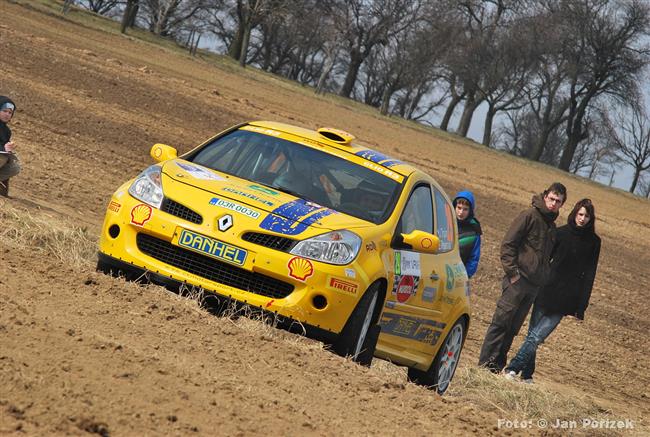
512 309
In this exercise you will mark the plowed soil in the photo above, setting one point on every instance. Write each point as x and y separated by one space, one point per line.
82 353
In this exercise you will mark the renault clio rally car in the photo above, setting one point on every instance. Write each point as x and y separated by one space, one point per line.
359 248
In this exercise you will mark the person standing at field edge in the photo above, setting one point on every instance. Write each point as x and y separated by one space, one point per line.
469 231
575 260
525 256
9 165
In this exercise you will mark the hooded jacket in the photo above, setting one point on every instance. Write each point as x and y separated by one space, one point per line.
5 132
575 259
469 235
527 246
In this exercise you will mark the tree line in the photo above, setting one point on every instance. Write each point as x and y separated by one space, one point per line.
562 80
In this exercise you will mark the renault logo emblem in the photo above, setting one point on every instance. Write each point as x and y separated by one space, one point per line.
225 222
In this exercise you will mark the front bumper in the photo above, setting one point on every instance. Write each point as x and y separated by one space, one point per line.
313 301
212 301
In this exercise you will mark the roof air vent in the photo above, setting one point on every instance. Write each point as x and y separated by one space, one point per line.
335 135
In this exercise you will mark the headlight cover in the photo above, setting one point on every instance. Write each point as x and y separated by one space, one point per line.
336 247
147 187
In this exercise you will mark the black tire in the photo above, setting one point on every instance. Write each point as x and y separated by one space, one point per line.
444 365
358 338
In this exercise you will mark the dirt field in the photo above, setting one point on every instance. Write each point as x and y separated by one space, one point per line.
83 353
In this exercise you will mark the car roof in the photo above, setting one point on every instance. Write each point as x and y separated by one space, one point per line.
374 156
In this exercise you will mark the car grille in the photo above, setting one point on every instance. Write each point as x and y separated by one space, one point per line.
212 269
267 240
174 208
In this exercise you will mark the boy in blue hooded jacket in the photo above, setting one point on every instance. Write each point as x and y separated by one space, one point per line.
469 231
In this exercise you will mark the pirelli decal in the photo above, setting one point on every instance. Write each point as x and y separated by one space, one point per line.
413 328
342 285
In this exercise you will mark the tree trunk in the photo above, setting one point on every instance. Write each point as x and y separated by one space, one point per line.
196 45
234 51
133 14
66 6
575 135
487 130
327 69
466 119
385 99
635 179
244 45
126 17
353 71
455 100
538 149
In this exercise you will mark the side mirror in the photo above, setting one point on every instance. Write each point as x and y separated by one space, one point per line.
422 241
163 152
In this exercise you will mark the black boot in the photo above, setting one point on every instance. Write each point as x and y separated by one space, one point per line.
4 188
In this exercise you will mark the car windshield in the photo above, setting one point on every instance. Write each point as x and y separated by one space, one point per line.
302 171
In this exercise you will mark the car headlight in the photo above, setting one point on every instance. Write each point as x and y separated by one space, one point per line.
337 247
147 187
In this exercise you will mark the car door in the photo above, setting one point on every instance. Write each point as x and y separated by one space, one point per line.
413 304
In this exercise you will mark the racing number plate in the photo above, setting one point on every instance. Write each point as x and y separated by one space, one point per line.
211 247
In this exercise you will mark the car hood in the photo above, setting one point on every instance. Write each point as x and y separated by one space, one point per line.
279 212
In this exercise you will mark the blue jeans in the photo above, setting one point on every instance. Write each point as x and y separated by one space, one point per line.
541 326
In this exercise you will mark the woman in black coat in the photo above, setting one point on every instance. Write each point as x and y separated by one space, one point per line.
575 259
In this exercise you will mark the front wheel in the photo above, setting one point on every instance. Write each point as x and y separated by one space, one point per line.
444 365
358 338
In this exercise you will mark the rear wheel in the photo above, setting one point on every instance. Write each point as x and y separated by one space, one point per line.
359 336
444 365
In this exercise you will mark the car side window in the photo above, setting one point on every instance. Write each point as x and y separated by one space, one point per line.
445 222
418 212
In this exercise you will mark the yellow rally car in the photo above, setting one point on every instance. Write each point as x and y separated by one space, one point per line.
359 248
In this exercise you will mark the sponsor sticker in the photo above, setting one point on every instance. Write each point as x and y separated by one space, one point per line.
140 214
414 328
212 247
407 263
263 190
371 246
263 130
241 209
350 273
429 294
340 284
114 206
294 217
248 196
300 268
383 170
405 286
450 277
199 172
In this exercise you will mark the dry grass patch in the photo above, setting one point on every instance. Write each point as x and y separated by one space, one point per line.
516 401
51 237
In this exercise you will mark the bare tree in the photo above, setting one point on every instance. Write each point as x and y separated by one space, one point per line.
165 17
605 57
365 24
101 7
629 131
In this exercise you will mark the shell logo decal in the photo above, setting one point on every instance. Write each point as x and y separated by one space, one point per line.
300 268
140 214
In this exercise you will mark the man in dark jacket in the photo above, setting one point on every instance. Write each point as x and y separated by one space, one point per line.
9 166
525 257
